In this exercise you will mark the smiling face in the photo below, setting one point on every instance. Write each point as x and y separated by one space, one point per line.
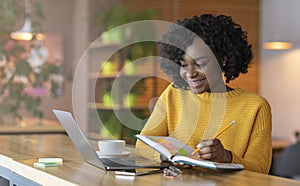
200 69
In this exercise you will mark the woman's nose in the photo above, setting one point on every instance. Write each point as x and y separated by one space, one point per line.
192 72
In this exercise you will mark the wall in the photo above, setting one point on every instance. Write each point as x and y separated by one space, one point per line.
76 22
58 21
280 70
69 19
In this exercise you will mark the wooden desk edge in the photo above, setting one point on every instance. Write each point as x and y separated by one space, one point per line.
32 173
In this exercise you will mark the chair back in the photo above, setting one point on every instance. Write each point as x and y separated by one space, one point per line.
288 163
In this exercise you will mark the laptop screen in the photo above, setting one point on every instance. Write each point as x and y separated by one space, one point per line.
90 155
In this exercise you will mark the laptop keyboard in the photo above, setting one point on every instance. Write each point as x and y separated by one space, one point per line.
131 162
118 162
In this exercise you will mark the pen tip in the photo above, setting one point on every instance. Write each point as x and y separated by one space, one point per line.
232 122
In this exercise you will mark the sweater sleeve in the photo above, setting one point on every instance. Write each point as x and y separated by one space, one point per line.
155 126
258 155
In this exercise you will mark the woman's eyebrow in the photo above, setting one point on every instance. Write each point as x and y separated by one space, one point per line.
199 58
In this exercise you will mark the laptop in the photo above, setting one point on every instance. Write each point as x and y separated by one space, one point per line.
89 154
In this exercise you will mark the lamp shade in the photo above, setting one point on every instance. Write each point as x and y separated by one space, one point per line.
278 45
26 32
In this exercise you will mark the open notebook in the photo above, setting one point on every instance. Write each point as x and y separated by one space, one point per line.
176 151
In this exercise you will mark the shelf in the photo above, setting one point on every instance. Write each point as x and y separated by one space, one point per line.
33 126
101 106
94 135
98 44
141 73
96 75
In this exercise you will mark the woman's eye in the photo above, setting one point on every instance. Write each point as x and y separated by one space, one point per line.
182 64
201 65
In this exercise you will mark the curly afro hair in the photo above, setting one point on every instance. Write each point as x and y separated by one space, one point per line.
225 38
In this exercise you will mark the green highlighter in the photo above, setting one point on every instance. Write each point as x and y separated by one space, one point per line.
45 164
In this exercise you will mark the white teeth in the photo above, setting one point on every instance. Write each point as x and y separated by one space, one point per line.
196 82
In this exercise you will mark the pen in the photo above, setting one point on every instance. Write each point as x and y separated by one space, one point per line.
216 135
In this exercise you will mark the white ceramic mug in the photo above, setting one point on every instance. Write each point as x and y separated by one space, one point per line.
111 147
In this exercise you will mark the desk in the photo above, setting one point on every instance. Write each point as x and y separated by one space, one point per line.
280 144
18 152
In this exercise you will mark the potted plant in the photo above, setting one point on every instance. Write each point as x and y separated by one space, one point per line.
25 73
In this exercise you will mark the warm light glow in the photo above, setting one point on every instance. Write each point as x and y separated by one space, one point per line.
278 45
25 33
25 36
40 36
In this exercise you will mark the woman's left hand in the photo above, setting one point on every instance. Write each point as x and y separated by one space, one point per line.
213 150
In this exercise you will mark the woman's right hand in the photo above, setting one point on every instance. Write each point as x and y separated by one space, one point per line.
213 150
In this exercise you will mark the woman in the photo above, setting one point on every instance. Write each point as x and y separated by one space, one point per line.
196 52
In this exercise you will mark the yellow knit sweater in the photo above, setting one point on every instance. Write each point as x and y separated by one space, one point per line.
190 118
